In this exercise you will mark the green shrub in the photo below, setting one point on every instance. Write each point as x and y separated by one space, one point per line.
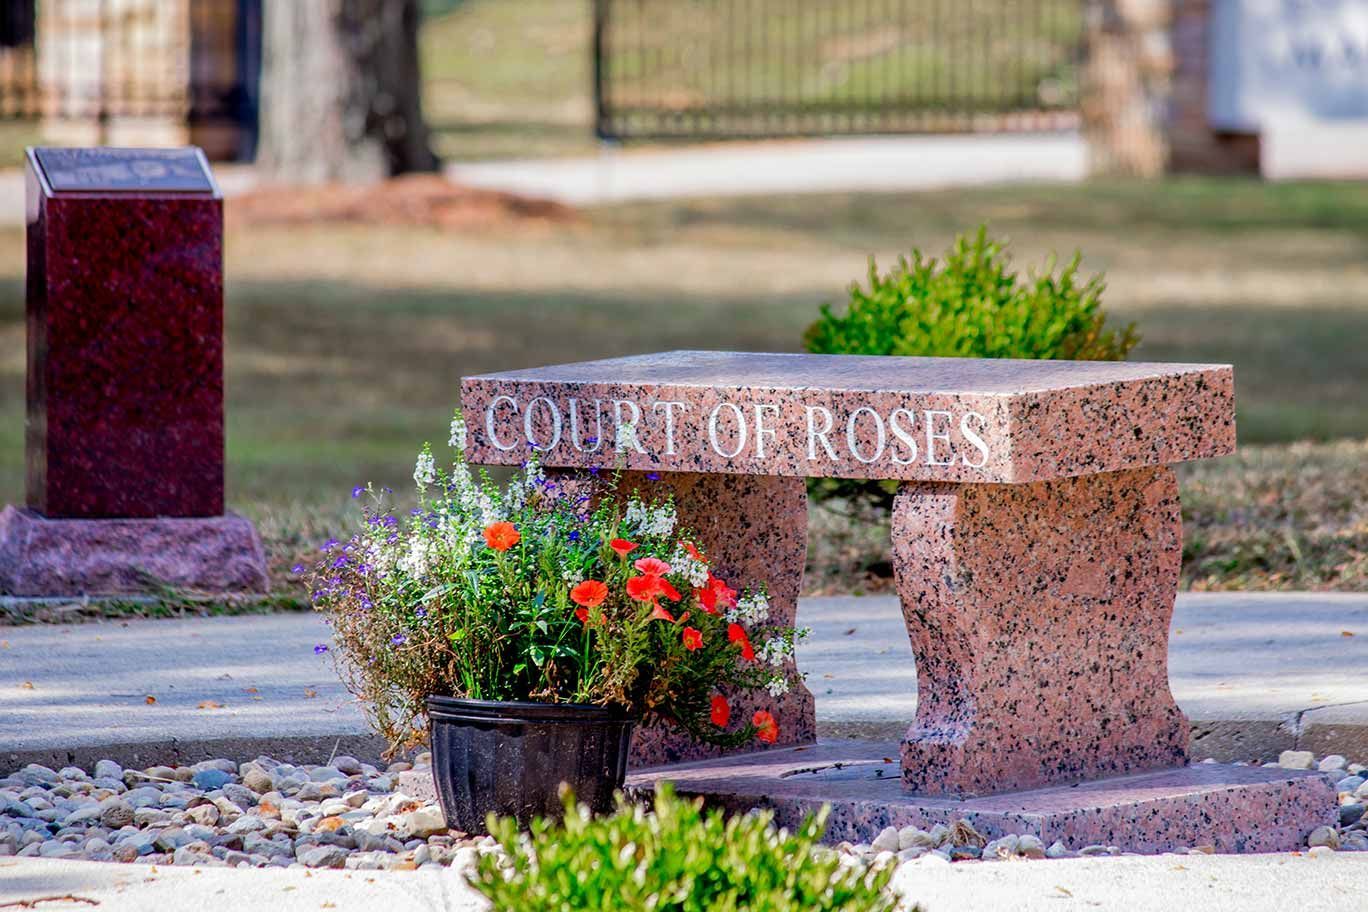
972 305
677 858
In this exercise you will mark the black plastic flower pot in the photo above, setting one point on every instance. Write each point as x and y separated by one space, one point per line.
511 758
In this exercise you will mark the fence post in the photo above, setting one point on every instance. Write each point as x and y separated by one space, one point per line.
601 128
1126 85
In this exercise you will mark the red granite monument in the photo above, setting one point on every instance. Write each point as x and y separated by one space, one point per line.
1037 539
125 440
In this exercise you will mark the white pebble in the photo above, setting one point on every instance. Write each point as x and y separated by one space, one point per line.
1296 760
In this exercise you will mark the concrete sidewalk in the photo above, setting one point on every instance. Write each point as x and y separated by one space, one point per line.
1214 883
884 163
1257 673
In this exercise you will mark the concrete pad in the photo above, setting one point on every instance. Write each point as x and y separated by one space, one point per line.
1213 883
1261 664
789 166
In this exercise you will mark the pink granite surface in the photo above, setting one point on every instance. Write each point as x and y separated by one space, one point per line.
1232 808
754 529
41 557
1039 618
933 419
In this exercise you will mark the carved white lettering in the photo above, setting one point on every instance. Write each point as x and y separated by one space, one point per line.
853 435
904 435
740 430
489 422
669 422
529 423
974 439
816 434
932 437
595 441
760 429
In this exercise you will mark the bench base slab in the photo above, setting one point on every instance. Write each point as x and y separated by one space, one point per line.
1235 809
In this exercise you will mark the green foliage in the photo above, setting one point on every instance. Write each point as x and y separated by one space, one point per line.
677 858
972 305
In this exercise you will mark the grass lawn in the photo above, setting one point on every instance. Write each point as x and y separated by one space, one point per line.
346 344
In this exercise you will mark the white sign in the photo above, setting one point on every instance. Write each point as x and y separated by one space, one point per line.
1287 60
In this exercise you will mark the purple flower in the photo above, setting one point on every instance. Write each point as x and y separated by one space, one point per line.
340 562
652 476
593 470
329 544
421 612
358 490
398 639
297 568
320 649
574 535
366 603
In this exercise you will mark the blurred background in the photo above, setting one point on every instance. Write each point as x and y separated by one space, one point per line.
422 190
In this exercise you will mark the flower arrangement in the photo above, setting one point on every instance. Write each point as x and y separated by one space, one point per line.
549 591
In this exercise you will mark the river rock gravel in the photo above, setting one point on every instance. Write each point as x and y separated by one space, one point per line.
348 814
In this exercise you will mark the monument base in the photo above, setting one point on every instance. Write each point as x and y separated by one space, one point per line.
1234 809
46 558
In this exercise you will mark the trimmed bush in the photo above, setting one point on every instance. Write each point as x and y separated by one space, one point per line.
972 305
675 858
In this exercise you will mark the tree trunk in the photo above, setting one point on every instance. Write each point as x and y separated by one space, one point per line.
341 96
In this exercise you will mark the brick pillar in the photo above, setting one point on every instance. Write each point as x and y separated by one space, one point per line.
1193 145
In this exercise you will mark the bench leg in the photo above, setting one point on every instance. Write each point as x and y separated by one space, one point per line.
1039 618
754 529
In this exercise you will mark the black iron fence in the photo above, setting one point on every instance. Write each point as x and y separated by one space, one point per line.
192 62
736 68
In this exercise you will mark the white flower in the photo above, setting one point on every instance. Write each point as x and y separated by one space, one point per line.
650 521
457 440
752 608
778 686
626 437
424 470
414 563
774 651
572 576
695 571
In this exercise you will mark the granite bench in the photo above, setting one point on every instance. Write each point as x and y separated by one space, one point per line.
1036 535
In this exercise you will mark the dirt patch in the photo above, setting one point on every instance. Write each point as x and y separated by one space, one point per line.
428 200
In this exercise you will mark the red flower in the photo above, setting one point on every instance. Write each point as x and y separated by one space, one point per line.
693 638
670 592
693 552
501 536
714 594
721 712
660 614
652 566
736 634
582 615
589 593
766 729
644 588
622 546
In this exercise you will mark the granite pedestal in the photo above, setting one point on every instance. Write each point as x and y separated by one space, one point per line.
125 381
1036 541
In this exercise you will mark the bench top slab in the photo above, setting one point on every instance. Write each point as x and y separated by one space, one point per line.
849 416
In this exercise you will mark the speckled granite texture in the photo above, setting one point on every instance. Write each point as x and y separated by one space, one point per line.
41 557
932 419
754 529
1232 808
125 353
1039 617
